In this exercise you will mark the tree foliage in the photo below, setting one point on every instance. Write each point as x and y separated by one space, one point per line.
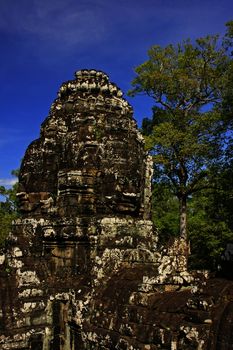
8 208
165 207
210 219
187 133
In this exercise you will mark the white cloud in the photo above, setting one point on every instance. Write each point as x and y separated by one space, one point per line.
58 27
67 23
8 182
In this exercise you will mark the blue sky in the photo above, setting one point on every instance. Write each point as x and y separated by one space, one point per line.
43 42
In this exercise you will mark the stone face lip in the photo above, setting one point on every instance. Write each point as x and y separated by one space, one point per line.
82 268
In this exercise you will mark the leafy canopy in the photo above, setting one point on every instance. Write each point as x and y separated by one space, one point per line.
183 77
8 208
186 134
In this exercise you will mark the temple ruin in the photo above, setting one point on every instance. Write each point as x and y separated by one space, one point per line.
82 268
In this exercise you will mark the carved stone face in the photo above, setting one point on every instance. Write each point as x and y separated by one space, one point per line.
90 158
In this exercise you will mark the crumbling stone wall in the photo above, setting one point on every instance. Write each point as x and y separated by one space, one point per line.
82 268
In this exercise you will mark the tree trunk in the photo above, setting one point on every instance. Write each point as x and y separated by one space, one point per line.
184 249
183 218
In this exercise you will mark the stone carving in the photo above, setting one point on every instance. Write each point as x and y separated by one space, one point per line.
81 159
82 268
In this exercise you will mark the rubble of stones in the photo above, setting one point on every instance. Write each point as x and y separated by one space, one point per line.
81 268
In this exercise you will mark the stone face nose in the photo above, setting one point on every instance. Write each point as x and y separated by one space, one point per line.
90 158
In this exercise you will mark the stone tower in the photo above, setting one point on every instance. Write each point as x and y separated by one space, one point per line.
89 160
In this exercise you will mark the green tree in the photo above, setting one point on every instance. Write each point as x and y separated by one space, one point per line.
186 134
210 222
164 212
8 208
209 231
